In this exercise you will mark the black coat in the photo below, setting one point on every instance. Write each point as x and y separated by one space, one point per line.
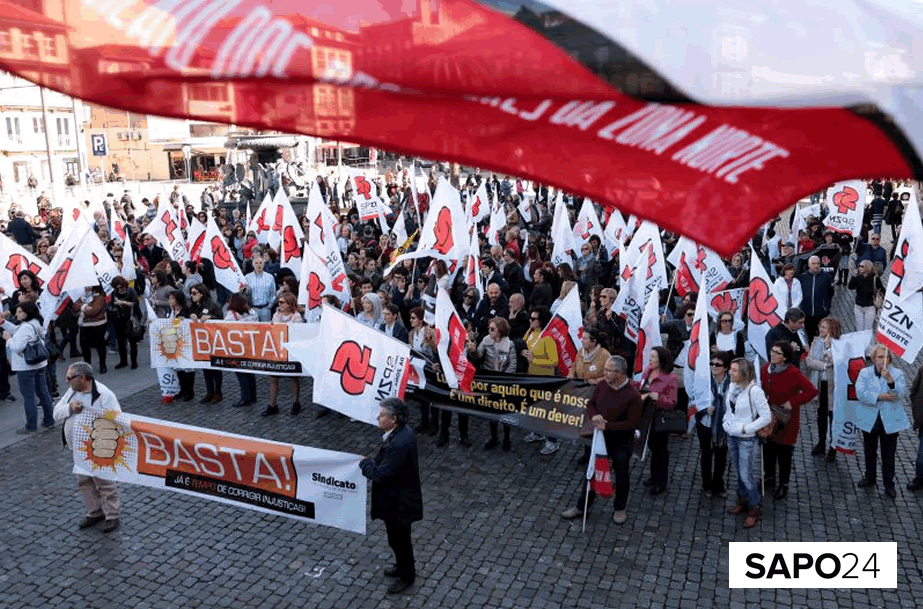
395 476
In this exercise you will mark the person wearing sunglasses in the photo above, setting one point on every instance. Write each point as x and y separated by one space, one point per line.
542 355
709 429
727 336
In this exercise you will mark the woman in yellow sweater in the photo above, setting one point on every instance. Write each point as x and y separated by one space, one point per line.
542 354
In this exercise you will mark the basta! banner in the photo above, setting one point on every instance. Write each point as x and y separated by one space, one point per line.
226 345
308 484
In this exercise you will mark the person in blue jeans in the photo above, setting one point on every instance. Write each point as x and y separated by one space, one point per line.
916 405
747 411
31 377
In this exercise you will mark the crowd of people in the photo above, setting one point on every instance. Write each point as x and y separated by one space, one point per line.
515 294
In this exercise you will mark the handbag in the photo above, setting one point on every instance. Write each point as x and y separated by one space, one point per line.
135 328
783 417
879 299
670 421
35 352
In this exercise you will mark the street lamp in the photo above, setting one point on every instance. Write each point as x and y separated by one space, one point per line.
187 155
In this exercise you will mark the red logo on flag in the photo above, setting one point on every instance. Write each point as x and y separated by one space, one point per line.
319 223
315 290
221 256
363 187
277 223
261 225
169 226
353 363
443 231
476 207
762 304
897 267
56 284
290 247
19 263
854 367
639 353
724 302
694 345
845 200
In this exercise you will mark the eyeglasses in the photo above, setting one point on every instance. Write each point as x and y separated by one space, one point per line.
690 314
777 352
70 378
534 318
716 364
727 321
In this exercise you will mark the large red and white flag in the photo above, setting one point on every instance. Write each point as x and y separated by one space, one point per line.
479 203
262 221
646 234
66 273
632 298
695 264
587 224
313 284
365 196
848 361
764 311
846 203
322 240
445 233
566 330
563 235
166 230
615 233
900 323
357 367
452 344
195 238
216 249
697 374
18 259
287 236
648 337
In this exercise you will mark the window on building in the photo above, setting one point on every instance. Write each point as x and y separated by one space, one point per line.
6 43
12 130
29 47
49 48
208 92
38 125
71 167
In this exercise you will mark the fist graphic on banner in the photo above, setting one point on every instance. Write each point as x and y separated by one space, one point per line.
845 200
56 284
762 304
104 438
443 231
353 363
222 257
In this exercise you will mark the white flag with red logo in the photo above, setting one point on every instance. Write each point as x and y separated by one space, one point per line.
479 204
195 239
290 237
444 234
848 361
587 224
846 203
364 196
648 337
696 265
313 284
646 234
128 263
399 230
733 301
630 302
697 374
261 223
615 233
165 229
64 274
598 471
764 311
216 249
562 234
566 330
900 324
276 218
452 344
472 268
497 223
357 366
117 228
322 240
17 260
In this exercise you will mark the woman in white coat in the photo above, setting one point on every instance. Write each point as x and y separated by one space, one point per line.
32 380
747 411
788 289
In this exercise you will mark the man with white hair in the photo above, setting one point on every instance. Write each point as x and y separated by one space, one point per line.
817 296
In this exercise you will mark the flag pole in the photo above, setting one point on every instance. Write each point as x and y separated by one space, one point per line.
586 503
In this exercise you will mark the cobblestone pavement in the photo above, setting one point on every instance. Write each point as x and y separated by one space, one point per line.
492 535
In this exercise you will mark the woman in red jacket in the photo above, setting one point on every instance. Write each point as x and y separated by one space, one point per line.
659 387
787 387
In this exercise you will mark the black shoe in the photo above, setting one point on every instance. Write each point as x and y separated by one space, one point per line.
89 521
915 484
831 455
817 450
507 445
103 370
208 398
110 525
463 441
891 492
240 404
769 482
269 411
134 365
442 441
187 397
55 394
296 407
657 489
648 483
865 482
48 425
781 492
121 365
321 412
391 571
492 444
399 586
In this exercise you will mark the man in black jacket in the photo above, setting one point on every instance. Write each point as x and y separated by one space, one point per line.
397 498
512 272
788 331
817 287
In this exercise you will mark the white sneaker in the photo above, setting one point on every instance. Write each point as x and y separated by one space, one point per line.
550 448
571 513
533 437
619 517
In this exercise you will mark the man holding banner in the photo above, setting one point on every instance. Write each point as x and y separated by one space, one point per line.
396 494
100 496
615 409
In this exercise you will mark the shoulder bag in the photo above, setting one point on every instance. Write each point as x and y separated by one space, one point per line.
769 428
35 352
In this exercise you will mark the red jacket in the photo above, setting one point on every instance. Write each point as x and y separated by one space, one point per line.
791 386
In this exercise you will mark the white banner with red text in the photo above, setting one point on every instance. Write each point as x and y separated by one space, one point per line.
309 484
